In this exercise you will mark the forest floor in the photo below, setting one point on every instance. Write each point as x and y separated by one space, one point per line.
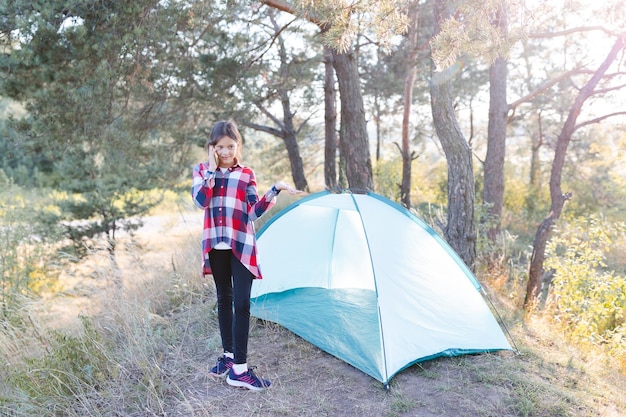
156 271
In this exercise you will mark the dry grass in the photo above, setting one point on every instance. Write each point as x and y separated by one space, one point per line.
151 335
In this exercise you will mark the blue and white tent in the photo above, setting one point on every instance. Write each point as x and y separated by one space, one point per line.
365 280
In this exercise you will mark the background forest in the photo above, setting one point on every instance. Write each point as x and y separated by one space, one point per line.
502 123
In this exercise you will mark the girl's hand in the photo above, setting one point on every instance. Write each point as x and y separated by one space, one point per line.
212 158
283 186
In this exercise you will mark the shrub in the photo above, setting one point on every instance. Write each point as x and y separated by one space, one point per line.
588 298
23 269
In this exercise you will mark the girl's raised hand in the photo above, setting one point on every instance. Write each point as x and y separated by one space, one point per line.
212 159
283 186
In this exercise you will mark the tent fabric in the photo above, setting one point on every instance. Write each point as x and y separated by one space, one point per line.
367 281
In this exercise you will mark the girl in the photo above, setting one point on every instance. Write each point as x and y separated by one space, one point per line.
226 190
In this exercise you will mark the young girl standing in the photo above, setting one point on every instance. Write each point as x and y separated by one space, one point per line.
227 191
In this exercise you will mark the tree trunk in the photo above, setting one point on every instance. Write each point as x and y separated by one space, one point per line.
493 192
354 143
557 197
460 231
295 160
377 122
409 82
288 128
330 122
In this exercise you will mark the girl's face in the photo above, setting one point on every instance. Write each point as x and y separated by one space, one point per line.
226 151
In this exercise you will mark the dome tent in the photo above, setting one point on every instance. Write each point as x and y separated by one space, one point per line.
365 280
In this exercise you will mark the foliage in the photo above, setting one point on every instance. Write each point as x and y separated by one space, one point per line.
428 179
106 95
588 298
72 365
102 214
344 20
596 176
387 178
282 69
522 205
470 32
22 166
23 252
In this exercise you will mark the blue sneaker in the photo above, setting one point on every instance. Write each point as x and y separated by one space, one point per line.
224 363
247 380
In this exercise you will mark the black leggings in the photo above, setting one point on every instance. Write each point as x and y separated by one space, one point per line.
233 283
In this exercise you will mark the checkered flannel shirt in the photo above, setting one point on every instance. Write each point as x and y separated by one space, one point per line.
231 205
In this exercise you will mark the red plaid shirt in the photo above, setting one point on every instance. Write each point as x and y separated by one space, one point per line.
231 205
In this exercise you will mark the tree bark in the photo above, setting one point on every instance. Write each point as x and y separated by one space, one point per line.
460 231
557 197
354 143
330 122
493 192
409 82
293 152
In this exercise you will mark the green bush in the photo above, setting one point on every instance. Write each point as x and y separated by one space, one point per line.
23 253
587 297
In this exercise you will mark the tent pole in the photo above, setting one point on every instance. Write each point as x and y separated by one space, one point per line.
482 290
